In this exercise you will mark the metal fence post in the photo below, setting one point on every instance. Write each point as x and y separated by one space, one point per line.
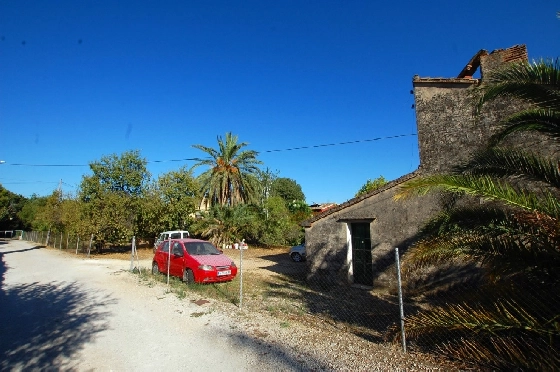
90 243
401 307
134 254
240 277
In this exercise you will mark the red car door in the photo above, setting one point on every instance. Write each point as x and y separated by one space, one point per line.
177 259
162 256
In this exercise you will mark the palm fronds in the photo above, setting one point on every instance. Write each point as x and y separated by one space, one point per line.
509 241
502 162
537 83
501 334
228 181
545 121
505 353
506 242
482 186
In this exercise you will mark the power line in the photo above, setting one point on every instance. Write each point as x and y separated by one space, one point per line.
342 143
87 165
195 159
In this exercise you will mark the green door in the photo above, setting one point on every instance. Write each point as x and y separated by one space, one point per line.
361 254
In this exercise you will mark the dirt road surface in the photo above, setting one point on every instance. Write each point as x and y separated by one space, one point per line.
74 314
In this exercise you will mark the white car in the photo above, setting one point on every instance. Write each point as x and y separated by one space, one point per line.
297 253
176 234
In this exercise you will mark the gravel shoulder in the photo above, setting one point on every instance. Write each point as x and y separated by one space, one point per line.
61 312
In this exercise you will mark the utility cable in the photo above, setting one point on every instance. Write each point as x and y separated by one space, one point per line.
195 159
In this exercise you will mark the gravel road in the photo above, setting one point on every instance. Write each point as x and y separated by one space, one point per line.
59 312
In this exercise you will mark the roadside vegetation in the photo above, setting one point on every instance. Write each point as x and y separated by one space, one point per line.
231 200
508 238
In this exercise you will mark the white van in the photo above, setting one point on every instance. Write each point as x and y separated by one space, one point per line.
176 234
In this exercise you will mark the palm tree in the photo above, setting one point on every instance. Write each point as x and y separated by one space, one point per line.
536 83
511 318
224 224
230 178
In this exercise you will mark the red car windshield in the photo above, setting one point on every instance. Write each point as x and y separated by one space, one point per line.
201 248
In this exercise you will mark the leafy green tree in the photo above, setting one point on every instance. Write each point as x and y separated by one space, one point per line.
10 206
277 226
371 185
511 319
126 174
51 213
287 189
179 191
30 211
300 210
71 217
111 196
150 220
229 179
265 178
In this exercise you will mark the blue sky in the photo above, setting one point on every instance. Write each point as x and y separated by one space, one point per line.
84 79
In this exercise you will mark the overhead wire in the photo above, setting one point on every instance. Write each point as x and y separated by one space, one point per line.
264 151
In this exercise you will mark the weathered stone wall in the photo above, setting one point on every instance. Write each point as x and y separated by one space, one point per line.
326 248
393 224
500 57
449 130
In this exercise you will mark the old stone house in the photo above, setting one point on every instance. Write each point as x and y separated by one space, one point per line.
353 243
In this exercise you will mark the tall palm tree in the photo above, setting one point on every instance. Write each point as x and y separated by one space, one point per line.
511 318
230 178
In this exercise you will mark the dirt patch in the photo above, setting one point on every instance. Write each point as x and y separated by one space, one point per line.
260 261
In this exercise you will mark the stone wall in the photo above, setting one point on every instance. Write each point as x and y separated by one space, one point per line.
392 224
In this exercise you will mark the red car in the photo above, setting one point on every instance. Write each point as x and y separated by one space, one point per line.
194 260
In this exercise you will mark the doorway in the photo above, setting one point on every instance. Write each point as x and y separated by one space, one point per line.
362 266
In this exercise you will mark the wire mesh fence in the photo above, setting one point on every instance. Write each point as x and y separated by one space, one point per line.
455 310
62 241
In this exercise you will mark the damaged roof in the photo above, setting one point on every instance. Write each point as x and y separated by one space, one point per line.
511 54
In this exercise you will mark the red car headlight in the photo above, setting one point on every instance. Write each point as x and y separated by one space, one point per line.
206 267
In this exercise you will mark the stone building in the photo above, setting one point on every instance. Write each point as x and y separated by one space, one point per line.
353 243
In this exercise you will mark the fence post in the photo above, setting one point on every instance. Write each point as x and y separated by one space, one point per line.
168 257
401 307
240 277
133 254
89 248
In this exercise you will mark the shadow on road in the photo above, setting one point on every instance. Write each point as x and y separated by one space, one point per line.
43 325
